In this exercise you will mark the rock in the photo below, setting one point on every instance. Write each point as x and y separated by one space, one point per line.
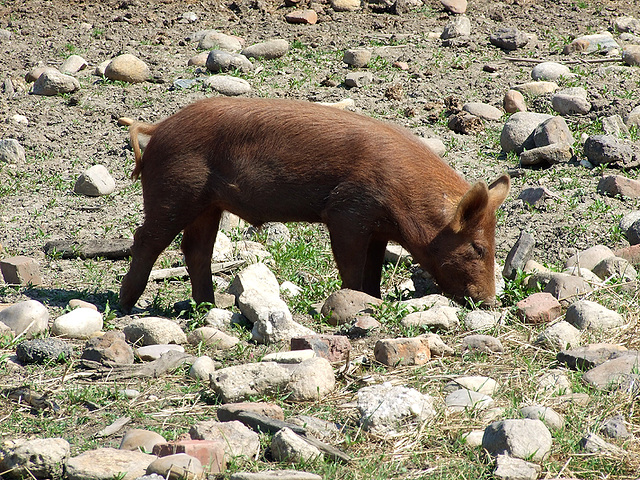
438 147
509 38
230 411
600 43
78 323
548 416
514 102
617 373
458 26
478 320
437 346
465 123
154 331
539 308
213 40
306 16
210 453
519 255
149 353
95 182
593 443
199 60
590 257
139 439
551 71
43 350
73 64
525 439
438 318
551 131
536 196
588 315
455 6
570 104
221 61
627 24
617 269
220 319
554 382
536 88
267 50
358 79
290 289
509 468
258 277
106 463
127 68
345 5
35 72
212 338
30 317
52 82
177 467
21 270
584 358
517 132
345 304
112 249
614 427
482 343
228 85
605 149
549 155
480 384
567 287
463 399
306 381
402 351
11 151
295 356
483 110
321 429
472 438
614 126
36 458
560 336
386 410
613 185
109 348
357 57
287 446
334 348
631 55
275 475
240 441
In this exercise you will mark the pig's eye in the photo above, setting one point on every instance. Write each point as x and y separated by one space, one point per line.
479 249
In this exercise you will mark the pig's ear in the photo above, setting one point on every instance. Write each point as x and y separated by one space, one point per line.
498 191
471 208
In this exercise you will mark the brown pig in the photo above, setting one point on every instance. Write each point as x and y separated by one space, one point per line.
280 160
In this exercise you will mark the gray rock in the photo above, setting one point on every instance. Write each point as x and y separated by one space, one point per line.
478 320
616 268
536 196
525 439
109 348
509 468
43 350
619 185
549 155
287 446
584 358
458 26
559 336
593 443
319 428
590 257
566 288
601 43
514 102
211 39
617 373
95 182
36 458
605 149
78 323
73 64
357 57
438 318
483 343
463 399
127 68
426 302
477 383
551 71
267 50
614 126
570 104
614 427
221 61
212 338
30 316
358 79
588 315
256 276
106 463
11 151
385 409
176 466
517 132
293 356
551 131
509 38
483 110
202 368
54 83
345 304
138 439
154 331
519 255
548 416
240 441
554 382
627 24
228 85
149 353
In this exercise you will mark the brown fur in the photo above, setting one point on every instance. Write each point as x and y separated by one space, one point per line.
276 160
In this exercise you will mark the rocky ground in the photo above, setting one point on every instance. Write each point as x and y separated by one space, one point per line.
414 78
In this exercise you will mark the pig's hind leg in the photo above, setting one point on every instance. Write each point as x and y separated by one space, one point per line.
197 245
373 267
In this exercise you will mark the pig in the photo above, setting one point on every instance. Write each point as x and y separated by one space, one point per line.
368 181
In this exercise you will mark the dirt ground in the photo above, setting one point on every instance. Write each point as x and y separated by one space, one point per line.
67 134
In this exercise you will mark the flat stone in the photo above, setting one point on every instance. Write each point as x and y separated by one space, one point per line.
483 110
35 458
559 336
11 151
275 475
588 315
210 453
593 443
295 356
306 16
268 50
358 79
176 467
140 439
439 318
618 373
601 43
567 288
43 350
548 416
479 320
589 356
78 323
106 463
110 249
287 446
570 104
477 383
536 88
539 308
240 441
524 439
229 411
508 38
357 57
154 331
52 82
149 353
228 85
463 399
402 351
109 348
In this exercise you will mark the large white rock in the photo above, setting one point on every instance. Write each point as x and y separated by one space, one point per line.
78 323
31 317
95 182
154 331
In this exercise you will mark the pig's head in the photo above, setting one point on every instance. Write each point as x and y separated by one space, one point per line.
464 251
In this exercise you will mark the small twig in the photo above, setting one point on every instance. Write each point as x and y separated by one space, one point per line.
565 62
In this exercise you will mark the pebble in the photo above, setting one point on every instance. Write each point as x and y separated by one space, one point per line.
536 88
524 439
437 318
358 79
509 38
588 315
519 255
154 331
438 147
221 61
387 409
127 68
517 131
73 64
559 336
30 317
199 60
213 40
357 57
212 338
614 427
43 350
462 400
483 110
306 17
78 323
95 182
458 26
52 82
139 439
109 348
108 463
287 446
267 50
593 443
551 72
228 85
514 102
567 287
149 353
34 458
11 151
